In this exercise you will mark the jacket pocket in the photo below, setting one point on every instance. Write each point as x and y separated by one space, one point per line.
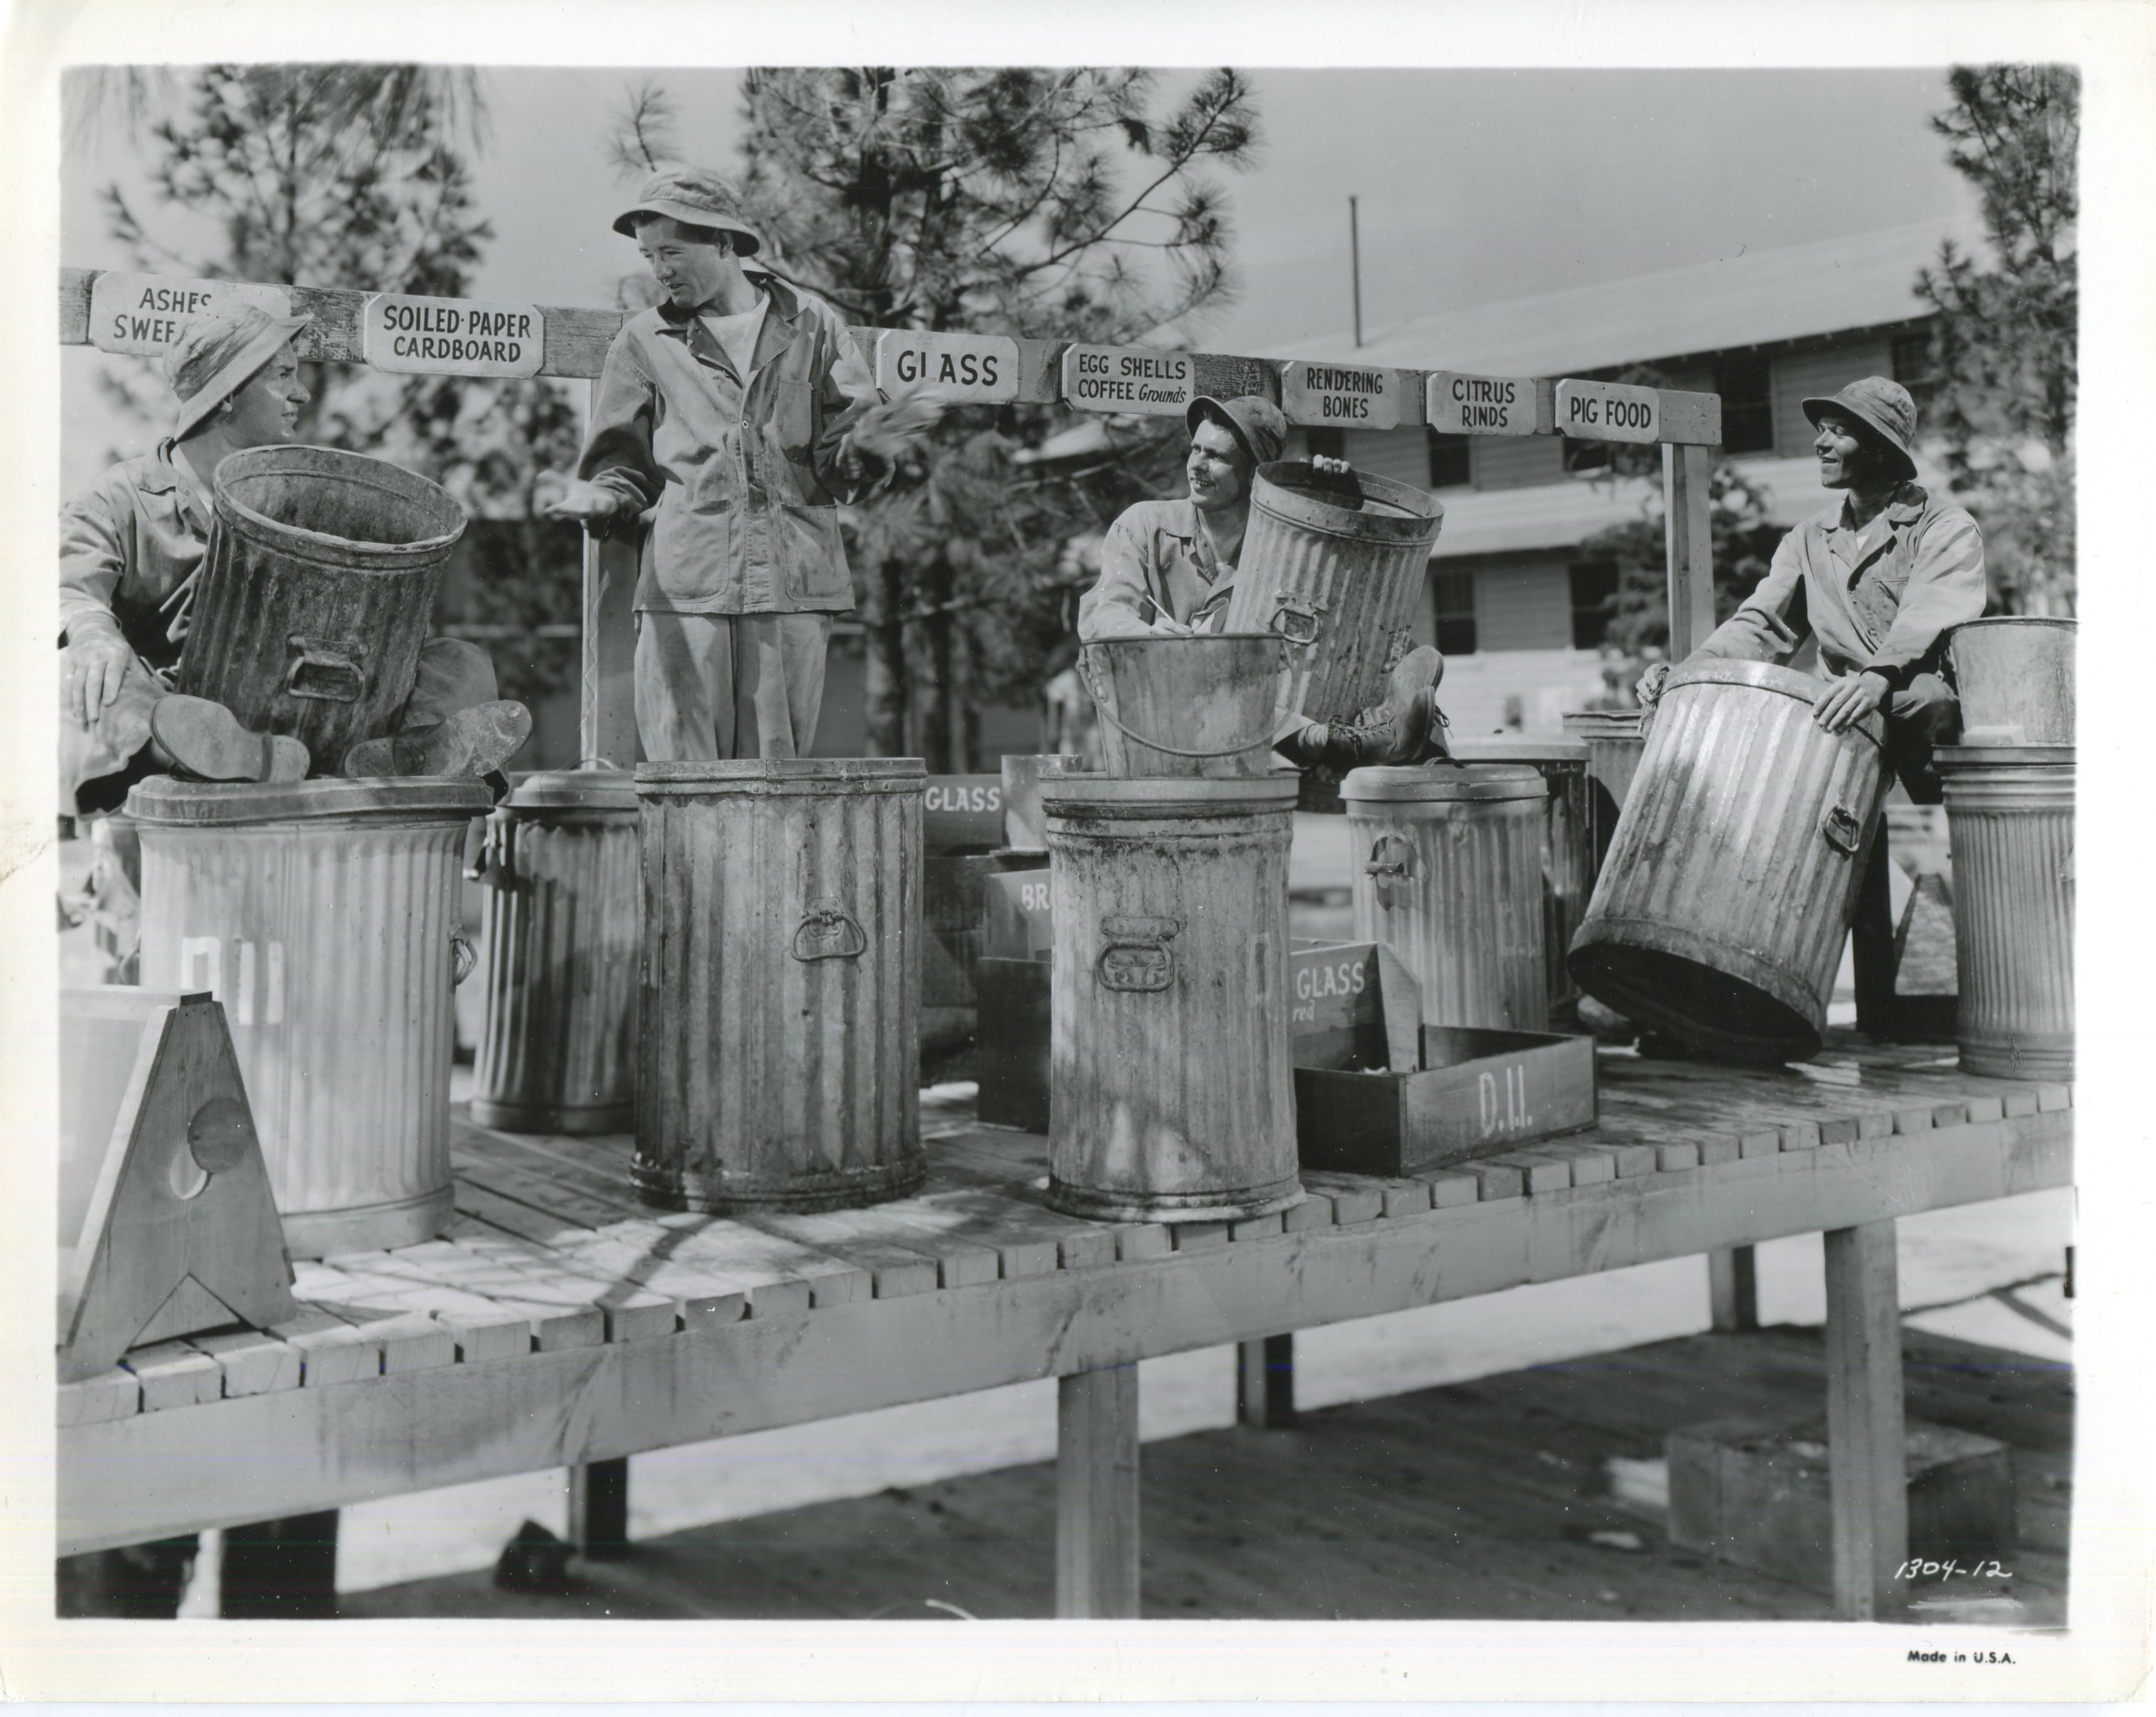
811 553
793 420
688 559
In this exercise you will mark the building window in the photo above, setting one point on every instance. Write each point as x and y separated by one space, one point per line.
1448 461
1593 601
1453 596
1914 366
1584 459
1745 383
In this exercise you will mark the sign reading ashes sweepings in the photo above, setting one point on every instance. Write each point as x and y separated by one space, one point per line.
146 314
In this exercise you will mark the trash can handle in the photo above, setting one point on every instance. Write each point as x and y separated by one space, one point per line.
463 957
1844 833
333 673
1296 618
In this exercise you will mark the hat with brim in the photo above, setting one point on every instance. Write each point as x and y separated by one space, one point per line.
1255 421
221 354
1881 406
695 199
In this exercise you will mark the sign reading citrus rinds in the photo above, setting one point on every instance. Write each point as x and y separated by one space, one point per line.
1342 396
452 336
969 369
146 314
1461 404
1128 379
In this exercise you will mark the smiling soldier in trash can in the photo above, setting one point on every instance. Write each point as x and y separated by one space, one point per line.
1879 578
131 550
1167 568
738 413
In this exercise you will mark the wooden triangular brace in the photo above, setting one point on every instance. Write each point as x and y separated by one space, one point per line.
180 1233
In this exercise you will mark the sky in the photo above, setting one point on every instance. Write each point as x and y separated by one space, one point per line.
1473 186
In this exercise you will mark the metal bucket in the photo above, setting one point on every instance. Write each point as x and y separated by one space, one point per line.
1172 1096
1337 567
324 917
2011 811
1025 829
1723 907
317 589
563 931
1613 738
1568 847
1449 872
779 1012
2015 675
1208 705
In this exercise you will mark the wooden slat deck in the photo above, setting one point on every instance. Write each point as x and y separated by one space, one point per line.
562 1322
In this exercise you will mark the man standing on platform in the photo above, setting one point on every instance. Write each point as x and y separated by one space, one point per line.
1878 580
1167 568
131 549
734 414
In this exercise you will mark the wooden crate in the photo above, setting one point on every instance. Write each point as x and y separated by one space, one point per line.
1478 1092
1754 1491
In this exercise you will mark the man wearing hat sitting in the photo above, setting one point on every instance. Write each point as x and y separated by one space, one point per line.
131 547
1878 580
1168 566
727 413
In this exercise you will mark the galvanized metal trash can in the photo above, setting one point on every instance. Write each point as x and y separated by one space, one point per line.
1171 1092
2010 817
323 916
1723 907
1447 869
1567 846
1336 567
778 1033
317 589
563 934
1614 740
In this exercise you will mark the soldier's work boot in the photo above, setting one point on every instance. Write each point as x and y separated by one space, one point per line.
474 742
1398 731
206 741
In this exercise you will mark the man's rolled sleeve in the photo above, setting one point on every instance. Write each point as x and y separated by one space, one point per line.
618 446
1771 622
1945 588
847 387
93 561
1119 604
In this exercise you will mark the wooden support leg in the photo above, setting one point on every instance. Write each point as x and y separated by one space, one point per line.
1733 1288
1871 952
1097 1494
1265 1383
599 1510
1865 1463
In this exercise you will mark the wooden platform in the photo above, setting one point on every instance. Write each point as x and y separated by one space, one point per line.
1529 1496
561 1323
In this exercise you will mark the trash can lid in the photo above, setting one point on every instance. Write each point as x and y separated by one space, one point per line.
1442 783
1518 748
781 774
590 786
1604 723
163 801
1949 757
1168 795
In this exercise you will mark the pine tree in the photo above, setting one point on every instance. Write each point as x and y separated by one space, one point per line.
2003 337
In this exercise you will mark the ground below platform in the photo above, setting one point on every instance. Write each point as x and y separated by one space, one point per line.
1539 1494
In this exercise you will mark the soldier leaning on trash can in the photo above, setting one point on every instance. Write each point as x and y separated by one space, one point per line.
732 415
1879 578
1168 568
132 549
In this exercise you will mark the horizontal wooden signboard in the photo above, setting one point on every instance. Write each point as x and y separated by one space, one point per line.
967 369
1129 379
962 810
1342 396
1461 404
1608 411
146 314
411 335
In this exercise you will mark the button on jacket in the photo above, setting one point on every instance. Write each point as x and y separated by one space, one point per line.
744 472
1156 562
1880 600
131 545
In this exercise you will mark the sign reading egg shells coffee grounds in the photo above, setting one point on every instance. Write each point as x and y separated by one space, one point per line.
452 336
1128 379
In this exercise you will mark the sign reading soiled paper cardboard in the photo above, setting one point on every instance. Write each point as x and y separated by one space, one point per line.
452 336
147 314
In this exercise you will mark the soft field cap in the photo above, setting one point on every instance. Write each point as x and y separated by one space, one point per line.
698 199
1883 407
219 355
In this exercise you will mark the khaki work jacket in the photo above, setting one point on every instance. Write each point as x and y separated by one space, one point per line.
1156 563
130 547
